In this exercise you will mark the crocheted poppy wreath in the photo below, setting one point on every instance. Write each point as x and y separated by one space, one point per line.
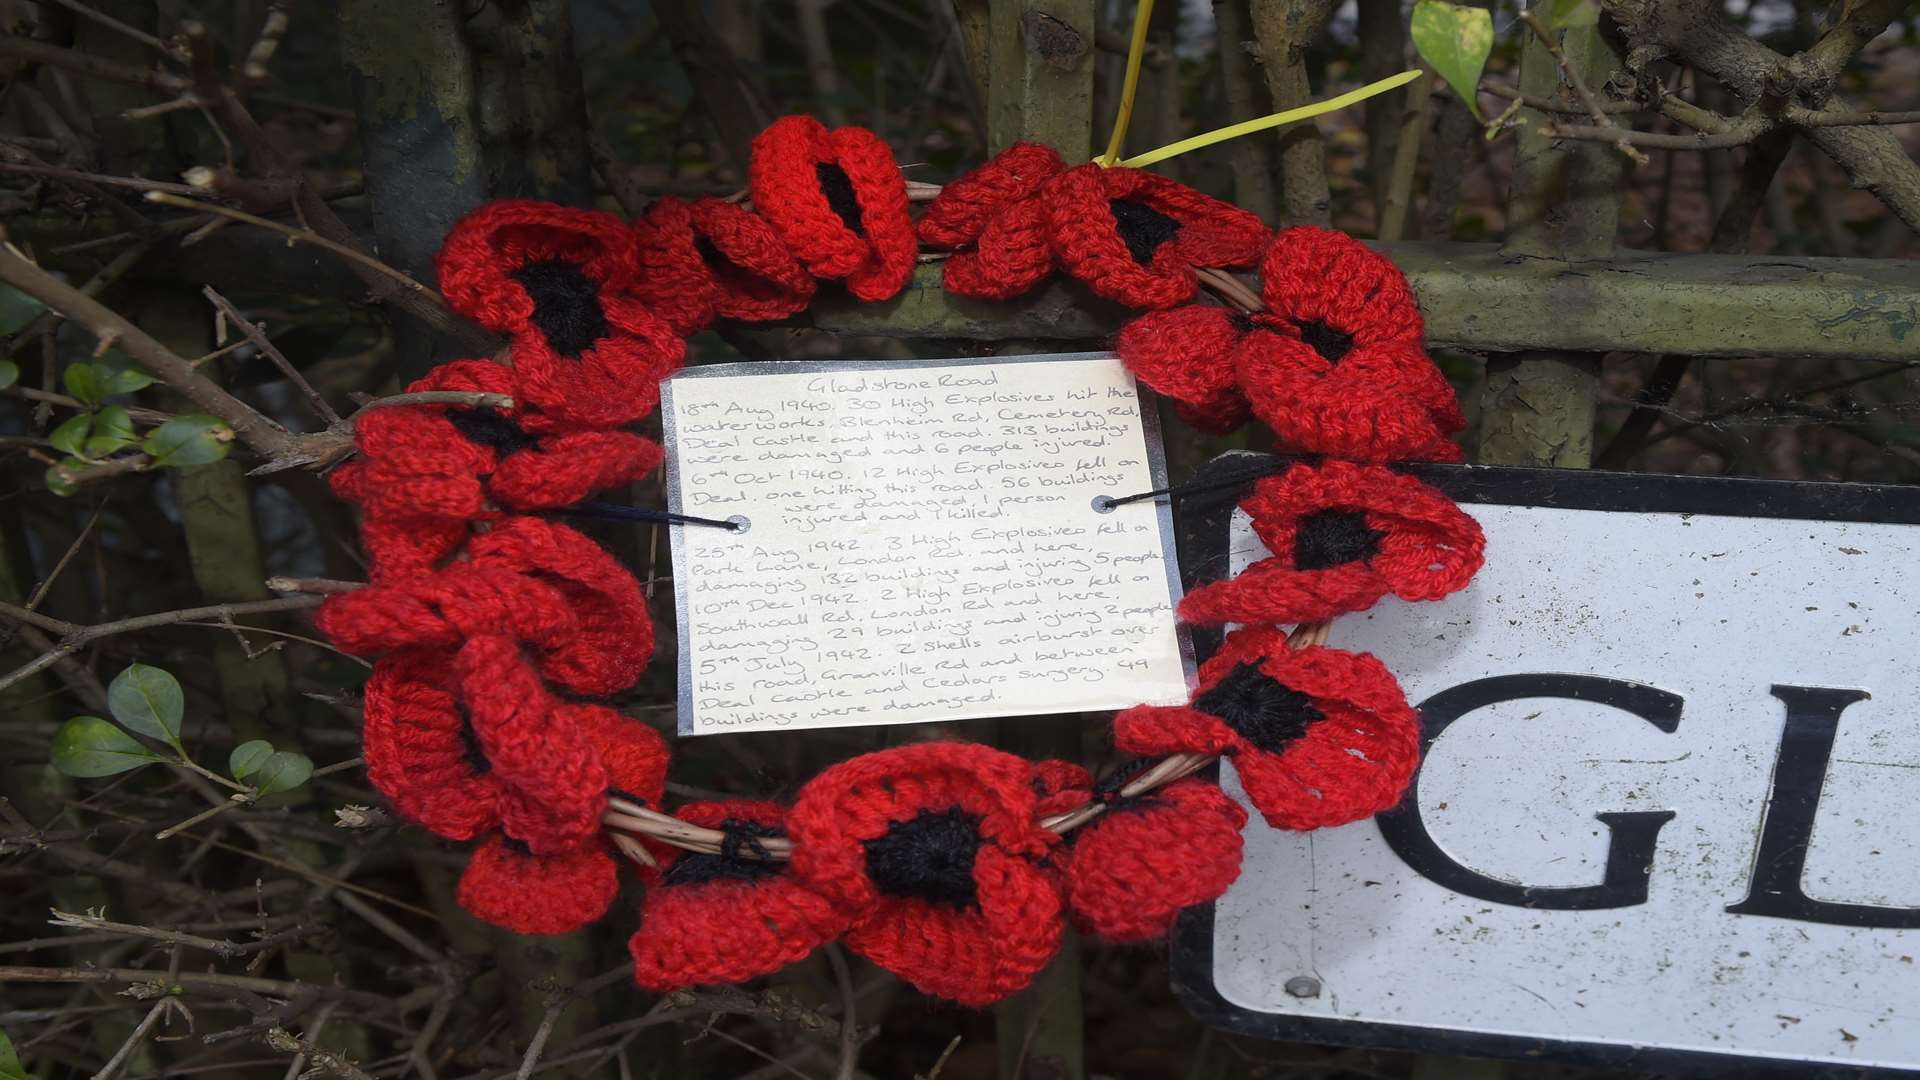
955 866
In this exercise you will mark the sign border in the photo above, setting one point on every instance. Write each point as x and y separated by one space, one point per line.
1170 538
1205 535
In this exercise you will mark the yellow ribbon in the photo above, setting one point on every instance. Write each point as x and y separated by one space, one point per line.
1136 51
1245 127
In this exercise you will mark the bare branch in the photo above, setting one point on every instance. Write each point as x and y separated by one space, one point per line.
259 338
40 52
263 435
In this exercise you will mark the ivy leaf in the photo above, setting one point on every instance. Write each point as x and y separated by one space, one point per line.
112 430
119 374
188 440
1455 39
17 309
1562 14
71 436
283 770
9 374
248 757
84 381
87 746
149 701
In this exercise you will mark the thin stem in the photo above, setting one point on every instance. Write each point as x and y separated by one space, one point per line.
259 338
305 236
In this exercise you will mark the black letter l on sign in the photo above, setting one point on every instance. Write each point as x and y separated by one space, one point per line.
1806 745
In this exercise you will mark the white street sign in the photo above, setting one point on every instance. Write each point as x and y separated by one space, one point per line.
1670 814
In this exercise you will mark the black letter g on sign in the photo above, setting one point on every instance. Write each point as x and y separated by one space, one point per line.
1630 845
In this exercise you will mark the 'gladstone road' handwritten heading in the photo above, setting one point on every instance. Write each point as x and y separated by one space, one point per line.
922 544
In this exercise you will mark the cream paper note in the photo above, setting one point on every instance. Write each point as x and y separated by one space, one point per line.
922 543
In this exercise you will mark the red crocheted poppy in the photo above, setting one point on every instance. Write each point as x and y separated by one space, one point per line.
994 219
1136 237
1131 870
960 213
608 649
539 584
633 754
507 885
1186 354
1343 536
459 771
838 202
429 461
1319 737
715 259
560 283
1334 365
935 848
728 916
1059 786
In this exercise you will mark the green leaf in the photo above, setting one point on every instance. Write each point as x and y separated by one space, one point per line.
283 770
60 477
112 430
85 382
17 309
71 437
119 374
248 757
10 1067
1455 39
148 700
89 746
188 440
1562 14
9 374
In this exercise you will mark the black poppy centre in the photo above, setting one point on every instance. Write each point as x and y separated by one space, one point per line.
1142 227
838 188
928 857
1260 708
566 305
1328 538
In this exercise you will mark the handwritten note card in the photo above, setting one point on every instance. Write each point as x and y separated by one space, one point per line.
922 543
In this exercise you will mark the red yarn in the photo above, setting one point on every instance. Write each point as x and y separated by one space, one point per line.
796 173
440 461
612 638
633 754
1148 260
1319 737
1131 870
554 787
996 221
561 283
537 894
421 754
614 382
960 213
1333 366
715 259
1187 355
728 917
487 247
542 584
1059 786
1342 536
935 848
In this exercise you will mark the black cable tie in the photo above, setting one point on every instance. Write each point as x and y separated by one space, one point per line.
595 508
1177 492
